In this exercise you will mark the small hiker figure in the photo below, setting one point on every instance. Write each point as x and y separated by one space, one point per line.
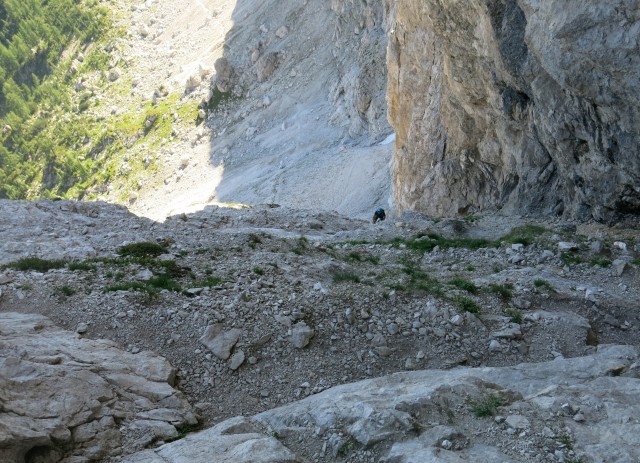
379 214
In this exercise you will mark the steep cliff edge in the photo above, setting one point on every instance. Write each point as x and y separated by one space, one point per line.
516 105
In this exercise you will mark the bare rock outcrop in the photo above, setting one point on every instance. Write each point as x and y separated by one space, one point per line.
580 409
516 105
359 38
63 398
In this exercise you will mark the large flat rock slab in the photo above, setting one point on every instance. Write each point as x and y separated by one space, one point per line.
580 409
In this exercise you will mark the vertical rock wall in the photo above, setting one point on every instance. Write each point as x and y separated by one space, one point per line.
359 42
519 105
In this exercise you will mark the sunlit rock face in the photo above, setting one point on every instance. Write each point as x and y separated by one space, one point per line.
519 105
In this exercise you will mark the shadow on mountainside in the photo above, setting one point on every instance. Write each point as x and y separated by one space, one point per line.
298 111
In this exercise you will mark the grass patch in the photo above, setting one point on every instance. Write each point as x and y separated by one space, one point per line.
525 234
419 280
465 285
505 291
636 262
66 290
600 262
168 266
514 314
142 249
132 285
302 245
164 282
488 406
539 283
254 240
219 98
466 305
85 266
341 277
258 270
566 440
35 263
210 282
570 258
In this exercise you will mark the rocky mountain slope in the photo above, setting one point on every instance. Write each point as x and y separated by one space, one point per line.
524 105
258 308
292 100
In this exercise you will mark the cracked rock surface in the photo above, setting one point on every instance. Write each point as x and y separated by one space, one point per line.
63 396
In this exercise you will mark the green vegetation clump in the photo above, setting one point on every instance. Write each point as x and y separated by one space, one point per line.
132 285
81 266
600 262
570 258
426 242
66 290
488 406
463 284
505 291
164 282
219 98
566 440
514 314
142 249
340 277
466 304
35 263
302 245
209 282
58 139
151 287
419 280
539 283
254 240
525 234
36 81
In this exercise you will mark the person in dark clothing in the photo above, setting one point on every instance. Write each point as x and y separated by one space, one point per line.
379 214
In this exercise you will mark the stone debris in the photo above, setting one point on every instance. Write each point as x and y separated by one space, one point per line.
260 319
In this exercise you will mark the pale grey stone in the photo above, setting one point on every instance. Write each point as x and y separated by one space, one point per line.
511 331
220 342
518 422
301 335
237 359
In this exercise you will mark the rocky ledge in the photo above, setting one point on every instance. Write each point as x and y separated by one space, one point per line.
63 398
525 413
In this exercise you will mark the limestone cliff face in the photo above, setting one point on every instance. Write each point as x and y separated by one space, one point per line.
519 105
359 42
